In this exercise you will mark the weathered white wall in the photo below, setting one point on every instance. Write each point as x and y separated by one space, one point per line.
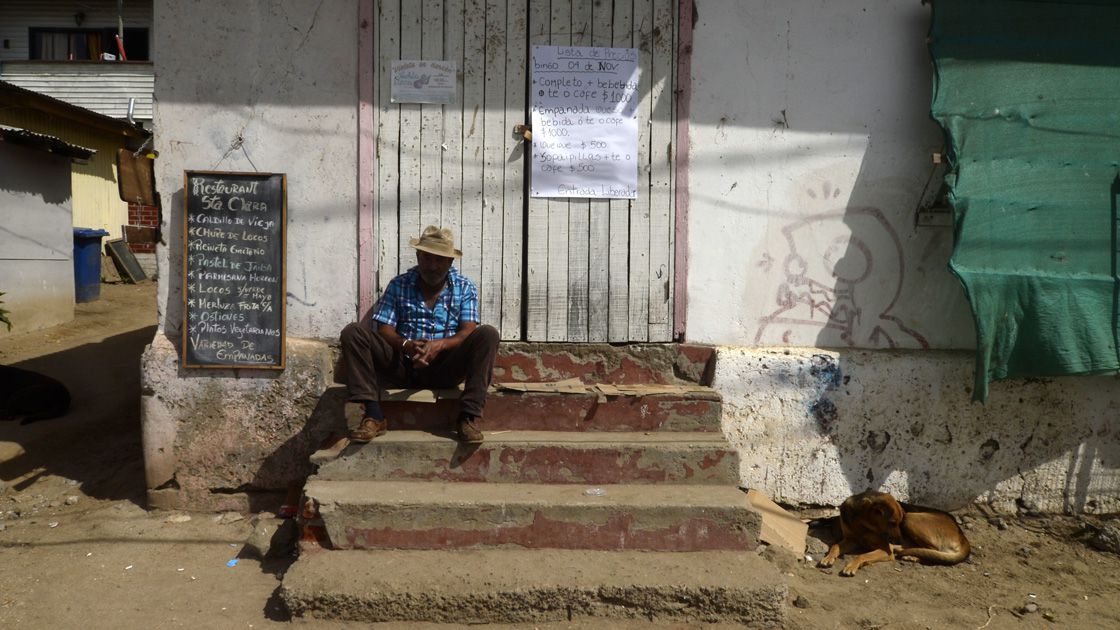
253 87
810 148
36 239
815 426
269 87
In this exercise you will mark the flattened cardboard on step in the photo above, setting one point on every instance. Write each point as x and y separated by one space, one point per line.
779 527
422 395
646 389
567 386
575 386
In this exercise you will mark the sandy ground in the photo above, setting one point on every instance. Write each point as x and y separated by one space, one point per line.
78 549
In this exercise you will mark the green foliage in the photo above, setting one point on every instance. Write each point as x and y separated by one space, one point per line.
4 314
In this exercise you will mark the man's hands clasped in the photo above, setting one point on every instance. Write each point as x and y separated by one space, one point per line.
423 352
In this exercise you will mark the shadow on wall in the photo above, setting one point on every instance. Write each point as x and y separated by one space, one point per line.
285 468
910 427
844 267
97 443
235 439
173 279
851 264
849 291
838 260
22 174
927 440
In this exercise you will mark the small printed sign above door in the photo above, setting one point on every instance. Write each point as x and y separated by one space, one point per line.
423 82
585 122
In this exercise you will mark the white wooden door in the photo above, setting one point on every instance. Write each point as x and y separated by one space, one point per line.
555 270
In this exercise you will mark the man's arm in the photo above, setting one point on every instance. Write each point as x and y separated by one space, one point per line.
390 334
384 318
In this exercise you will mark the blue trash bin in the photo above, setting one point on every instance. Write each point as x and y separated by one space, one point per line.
87 264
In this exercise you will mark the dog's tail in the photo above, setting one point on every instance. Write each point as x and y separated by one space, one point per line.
938 556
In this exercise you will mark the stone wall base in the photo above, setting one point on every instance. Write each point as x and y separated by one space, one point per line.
224 439
813 427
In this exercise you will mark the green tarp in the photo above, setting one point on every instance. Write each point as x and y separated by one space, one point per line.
1028 94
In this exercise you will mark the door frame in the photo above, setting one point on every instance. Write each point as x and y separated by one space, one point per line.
367 165
686 16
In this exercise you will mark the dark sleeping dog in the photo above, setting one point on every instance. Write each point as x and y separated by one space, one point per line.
29 396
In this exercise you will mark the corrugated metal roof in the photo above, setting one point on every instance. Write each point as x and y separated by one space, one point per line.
22 97
103 87
43 142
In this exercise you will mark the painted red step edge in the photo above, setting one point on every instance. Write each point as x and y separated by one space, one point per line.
615 534
567 412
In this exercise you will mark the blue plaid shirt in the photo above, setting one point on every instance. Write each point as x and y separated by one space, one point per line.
402 306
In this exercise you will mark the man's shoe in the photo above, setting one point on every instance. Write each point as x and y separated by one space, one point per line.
369 429
468 430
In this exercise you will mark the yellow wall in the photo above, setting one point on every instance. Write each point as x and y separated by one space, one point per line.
96 202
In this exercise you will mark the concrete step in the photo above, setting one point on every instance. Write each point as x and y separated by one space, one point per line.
663 363
425 515
541 457
527 586
547 411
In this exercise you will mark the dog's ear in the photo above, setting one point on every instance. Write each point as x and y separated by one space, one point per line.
887 513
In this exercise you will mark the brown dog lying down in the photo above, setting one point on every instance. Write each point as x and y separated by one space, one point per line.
882 528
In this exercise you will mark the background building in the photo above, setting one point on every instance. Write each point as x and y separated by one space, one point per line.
789 220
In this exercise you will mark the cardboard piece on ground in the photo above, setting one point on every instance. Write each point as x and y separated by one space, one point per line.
329 449
411 395
607 389
109 271
779 527
646 389
422 395
575 386
569 386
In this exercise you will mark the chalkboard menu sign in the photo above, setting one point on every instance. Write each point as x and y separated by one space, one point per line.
233 269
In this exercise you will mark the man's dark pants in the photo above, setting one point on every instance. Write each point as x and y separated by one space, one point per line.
372 363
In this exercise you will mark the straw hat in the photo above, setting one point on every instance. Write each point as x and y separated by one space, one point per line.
438 241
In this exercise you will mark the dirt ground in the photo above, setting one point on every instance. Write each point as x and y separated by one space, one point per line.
77 547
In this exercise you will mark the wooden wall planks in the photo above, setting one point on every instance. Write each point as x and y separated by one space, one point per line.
599 227
537 247
560 34
548 269
410 137
661 173
579 211
451 208
431 122
387 152
473 89
618 281
516 113
493 190
640 207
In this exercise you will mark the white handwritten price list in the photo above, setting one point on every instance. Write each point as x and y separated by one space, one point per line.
585 123
233 269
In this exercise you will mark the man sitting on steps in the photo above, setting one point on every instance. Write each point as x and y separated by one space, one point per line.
425 333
